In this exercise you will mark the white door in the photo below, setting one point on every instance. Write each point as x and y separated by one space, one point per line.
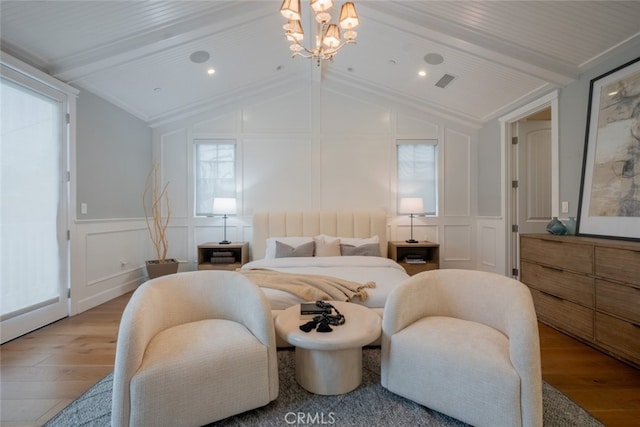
534 176
33 206
531 178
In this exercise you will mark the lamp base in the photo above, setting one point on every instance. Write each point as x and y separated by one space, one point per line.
225 242
411 241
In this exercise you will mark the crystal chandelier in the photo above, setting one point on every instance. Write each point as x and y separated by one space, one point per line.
328 39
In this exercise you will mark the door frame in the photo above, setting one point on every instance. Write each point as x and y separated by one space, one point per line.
24 74
548 101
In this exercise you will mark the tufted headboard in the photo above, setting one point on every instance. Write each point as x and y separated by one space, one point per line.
311 223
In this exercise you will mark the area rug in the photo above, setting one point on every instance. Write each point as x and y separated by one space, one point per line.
369 405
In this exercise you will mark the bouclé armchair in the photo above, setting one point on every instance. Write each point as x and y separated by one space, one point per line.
464 343
193 348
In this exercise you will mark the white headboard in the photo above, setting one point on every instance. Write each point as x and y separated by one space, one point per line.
312 223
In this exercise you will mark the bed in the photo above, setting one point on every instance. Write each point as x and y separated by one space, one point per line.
362 240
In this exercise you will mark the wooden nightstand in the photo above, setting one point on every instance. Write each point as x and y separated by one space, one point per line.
216 256
425 255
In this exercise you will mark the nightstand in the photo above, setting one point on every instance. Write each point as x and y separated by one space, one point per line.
216 256
415 257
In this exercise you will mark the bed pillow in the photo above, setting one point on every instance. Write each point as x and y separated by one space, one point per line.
285 251
352 241
327 246
368 249
294 242
358 241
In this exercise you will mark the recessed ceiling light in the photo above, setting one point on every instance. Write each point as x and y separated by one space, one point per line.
433 58
211 71
422 73
199 56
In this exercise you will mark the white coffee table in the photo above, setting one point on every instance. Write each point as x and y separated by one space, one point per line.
330 363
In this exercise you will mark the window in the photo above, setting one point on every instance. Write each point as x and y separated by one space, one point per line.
417 172
215 172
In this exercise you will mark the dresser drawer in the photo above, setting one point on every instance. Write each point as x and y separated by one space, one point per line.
571 286
621 300
620 337
556 253
563 314
618 264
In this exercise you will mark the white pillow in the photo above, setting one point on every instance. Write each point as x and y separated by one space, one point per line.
294 242
327 246
358 241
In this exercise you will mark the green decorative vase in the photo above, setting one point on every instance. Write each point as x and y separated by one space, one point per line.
555 226
571 225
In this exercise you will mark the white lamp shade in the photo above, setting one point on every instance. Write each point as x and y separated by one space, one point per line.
290 9
294 31
412 205
348 16
321 5
224 206
332 38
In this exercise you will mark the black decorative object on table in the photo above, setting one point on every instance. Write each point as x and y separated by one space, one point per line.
321 322
314 309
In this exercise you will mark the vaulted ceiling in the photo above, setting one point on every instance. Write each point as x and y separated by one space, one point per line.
136 54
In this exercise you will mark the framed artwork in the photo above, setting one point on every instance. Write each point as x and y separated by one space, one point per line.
610 187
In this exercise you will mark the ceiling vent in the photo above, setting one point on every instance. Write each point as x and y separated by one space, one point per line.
445 80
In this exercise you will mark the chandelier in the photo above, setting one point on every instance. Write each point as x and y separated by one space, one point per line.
328 39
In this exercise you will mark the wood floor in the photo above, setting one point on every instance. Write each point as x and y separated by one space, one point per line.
45 370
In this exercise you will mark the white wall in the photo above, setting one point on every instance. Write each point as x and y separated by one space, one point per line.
308 148
572 116
321 148
114 157
107 260
109 243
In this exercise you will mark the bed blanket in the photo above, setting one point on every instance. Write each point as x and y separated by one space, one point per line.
309 287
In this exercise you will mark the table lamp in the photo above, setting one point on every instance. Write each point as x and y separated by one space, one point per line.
413 205
224 206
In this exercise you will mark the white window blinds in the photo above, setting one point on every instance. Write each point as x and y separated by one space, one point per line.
215 172
417 172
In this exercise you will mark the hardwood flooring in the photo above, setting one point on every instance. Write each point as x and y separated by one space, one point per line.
44 371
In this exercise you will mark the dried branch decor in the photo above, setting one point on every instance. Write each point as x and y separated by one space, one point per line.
156 224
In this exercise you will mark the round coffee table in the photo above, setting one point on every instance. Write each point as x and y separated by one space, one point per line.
330 363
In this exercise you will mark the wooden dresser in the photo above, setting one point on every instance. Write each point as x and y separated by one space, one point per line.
586 287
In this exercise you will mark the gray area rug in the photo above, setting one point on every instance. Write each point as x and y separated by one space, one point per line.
368 405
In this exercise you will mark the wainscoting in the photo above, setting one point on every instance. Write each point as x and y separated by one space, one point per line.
108 257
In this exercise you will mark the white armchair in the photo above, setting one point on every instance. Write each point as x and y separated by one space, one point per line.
464 343
193 348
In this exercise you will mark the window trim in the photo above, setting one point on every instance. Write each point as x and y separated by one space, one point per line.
212 141
399 194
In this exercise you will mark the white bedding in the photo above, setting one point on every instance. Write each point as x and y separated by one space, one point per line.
384 272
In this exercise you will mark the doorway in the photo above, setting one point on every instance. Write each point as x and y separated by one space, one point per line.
531 173
33 198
